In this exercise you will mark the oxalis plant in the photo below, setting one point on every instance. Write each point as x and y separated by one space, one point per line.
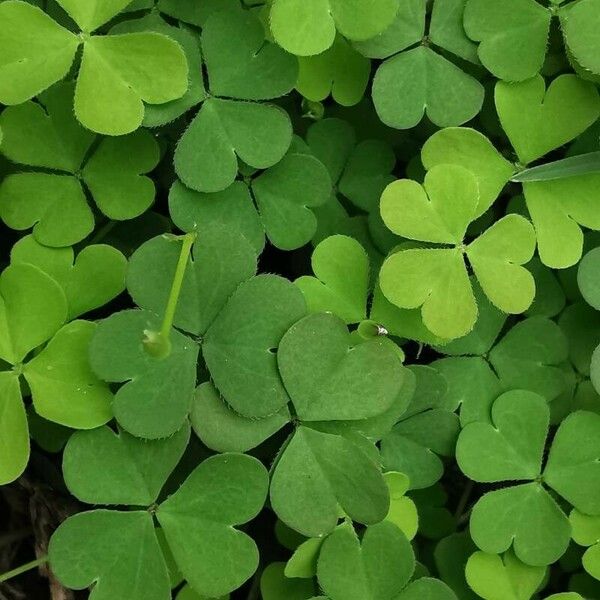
299 300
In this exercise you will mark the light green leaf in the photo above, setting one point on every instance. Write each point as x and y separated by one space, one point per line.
345 382
240 354
32 309
157 393
223 430
580 22
275 585
416 82
94 13
403 511
103 467
134 568
538 120
435 280
14 434
303 562
509 448
63 386
340 284
505 577
35 51
496 257
470 149
134 68
90 281
376 568
205 158
427 588
513 36
308 27
573 467
446 29
526 516
317 474
198 521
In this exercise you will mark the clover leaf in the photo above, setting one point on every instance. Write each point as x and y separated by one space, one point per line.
410 58
308 28
340 284
14 433
197 520
439 212
48 137
513 35
231 123
496 577
91 280
512 449
274 585
403 511
134 68
317 474
157 393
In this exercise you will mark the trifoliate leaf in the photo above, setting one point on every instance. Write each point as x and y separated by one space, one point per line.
223 430
509 448
198 521
240 353
133 567
526 516
206 156
340 71
513 36
472 150
240 63
157 393
220 261
307 28
573 467
340 284
285 194
505 577
36 51
538 120
345 382
276 585
103 467
317 474
90 281
377 567
14 434
529 355
63 386
415 83
32 308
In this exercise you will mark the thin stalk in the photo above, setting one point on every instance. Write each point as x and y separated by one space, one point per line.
23 569
464 499
186 248
158 343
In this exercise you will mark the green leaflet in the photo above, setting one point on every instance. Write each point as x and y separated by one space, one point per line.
14 438
134 68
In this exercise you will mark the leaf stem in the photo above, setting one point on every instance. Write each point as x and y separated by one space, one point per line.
23 569
462 503
158 343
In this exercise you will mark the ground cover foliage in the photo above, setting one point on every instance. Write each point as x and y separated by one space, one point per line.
299 299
